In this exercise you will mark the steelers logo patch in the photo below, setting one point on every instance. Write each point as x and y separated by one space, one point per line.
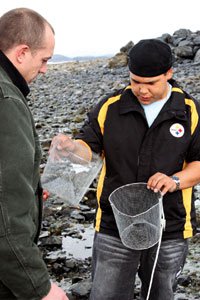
177 130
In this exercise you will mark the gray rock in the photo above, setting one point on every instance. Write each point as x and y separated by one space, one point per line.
184 51
81 288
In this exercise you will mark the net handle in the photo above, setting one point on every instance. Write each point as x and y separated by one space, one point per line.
163 223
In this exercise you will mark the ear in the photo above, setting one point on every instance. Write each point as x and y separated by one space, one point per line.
169 74
21 53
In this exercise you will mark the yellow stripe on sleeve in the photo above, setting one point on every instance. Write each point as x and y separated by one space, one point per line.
195 117
187 202
103 111
176 89
99 191
101 120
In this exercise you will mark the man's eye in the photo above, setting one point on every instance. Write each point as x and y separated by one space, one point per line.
133 81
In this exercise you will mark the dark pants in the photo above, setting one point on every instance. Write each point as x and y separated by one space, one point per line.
115 267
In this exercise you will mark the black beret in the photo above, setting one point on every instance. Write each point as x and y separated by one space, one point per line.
149 58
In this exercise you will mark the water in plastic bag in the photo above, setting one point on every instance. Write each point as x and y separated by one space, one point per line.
69 177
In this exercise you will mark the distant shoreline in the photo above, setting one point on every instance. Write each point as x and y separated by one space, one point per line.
59 59
59 62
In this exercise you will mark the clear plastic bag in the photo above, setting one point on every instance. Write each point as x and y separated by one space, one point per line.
69 176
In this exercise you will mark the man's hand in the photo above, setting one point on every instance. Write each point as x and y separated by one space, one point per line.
63 142
56 293
63 146
45 195
161 182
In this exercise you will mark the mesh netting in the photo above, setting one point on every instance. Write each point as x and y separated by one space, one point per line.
138 212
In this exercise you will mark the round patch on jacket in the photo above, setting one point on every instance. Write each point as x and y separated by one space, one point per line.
177 130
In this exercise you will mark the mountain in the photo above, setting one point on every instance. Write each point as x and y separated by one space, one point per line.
59 58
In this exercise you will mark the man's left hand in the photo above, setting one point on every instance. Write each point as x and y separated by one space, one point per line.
161 182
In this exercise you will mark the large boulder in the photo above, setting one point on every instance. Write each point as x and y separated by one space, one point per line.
121 58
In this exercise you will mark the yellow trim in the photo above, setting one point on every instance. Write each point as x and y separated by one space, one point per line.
103 111
187 193
187 202
194 114
99 191
128 87
101 120
175 89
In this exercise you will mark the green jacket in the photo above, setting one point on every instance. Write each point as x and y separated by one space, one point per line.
22 270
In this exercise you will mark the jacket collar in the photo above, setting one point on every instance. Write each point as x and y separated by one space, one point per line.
14 74
129 102
174 105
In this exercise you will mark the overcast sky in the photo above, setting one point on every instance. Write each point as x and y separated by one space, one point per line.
98 27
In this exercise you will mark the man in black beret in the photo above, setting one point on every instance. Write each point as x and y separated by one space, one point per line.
150 58
147 132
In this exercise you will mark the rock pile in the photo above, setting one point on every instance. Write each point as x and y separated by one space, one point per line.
60 101
184 43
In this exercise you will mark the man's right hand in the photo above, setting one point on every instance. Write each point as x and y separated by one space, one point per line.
56 293
61 147
63 142
64 146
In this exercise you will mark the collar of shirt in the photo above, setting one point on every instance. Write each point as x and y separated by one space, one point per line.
14 74
152 110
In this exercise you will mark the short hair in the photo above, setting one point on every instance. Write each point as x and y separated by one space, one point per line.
22 26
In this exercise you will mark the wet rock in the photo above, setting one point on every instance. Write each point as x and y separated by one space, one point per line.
81 288
184 280
52 242
76 215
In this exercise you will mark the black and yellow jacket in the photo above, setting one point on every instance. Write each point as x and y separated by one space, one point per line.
133 151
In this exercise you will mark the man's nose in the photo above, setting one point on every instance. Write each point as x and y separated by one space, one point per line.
43 69
142 89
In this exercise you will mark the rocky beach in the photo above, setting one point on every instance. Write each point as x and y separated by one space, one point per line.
59 102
